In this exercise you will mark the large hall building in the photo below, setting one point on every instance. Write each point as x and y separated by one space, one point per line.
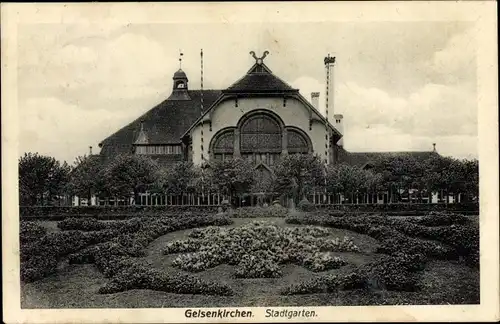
259 117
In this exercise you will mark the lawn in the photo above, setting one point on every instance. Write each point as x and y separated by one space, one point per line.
441 281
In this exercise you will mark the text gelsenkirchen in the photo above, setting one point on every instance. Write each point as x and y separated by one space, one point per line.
289 314
217 313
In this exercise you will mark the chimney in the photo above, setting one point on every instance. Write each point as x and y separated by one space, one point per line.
315 99
339 125
90 150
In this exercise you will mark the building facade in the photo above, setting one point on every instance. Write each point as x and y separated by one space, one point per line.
259 118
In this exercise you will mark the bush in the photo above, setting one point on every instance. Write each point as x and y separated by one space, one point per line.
260 212
30 231
38 267
441 219
305 205
92 224
138 276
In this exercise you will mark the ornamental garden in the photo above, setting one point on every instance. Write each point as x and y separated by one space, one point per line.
293 258
276 254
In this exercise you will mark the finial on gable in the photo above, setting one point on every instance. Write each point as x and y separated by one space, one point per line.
259 60
329 59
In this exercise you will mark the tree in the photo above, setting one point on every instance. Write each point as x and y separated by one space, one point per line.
86 177
351 180
470 180
440 173
178 179
41 178
298 174
232 176
129 173
400 174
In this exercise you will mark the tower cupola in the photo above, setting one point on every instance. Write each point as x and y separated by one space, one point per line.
180 81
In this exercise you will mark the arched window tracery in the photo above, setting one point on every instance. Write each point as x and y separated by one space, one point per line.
260 133
223 145
297 142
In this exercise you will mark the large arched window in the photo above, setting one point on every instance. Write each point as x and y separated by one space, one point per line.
297 142
260 139
222 145
260 133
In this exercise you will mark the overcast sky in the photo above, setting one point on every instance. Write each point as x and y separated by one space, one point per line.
401 85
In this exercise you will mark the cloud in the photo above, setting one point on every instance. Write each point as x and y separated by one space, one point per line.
419 87
50 126
375 120
456 62
71 54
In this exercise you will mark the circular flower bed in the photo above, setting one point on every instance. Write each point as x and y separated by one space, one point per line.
258 249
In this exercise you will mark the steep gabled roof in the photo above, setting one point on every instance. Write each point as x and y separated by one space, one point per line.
163 124
259 79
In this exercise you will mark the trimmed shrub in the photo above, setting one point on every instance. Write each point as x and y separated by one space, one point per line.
92 224
141 277
441 219
260 212
306 206
30 231
38 267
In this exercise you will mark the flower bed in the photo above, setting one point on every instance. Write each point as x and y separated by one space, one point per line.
441 219
394 273
258 249
39 257
448 242
138 276
30 231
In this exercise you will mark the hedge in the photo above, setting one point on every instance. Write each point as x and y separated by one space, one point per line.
120 212
395 273
138 276
108 212
448 242
39 257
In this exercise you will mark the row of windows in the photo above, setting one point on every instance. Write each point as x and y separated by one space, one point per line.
267 158
159 149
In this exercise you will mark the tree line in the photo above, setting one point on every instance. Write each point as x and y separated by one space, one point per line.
43 180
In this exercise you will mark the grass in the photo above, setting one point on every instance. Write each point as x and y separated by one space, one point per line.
75 286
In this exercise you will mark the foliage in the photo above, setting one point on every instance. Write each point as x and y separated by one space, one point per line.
129 173
441 219
395 236
86 176
138 276
232 176
30 231
257 248
41 179
394 273
260 212
178 179
351 179
92 224
298 174
305 205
